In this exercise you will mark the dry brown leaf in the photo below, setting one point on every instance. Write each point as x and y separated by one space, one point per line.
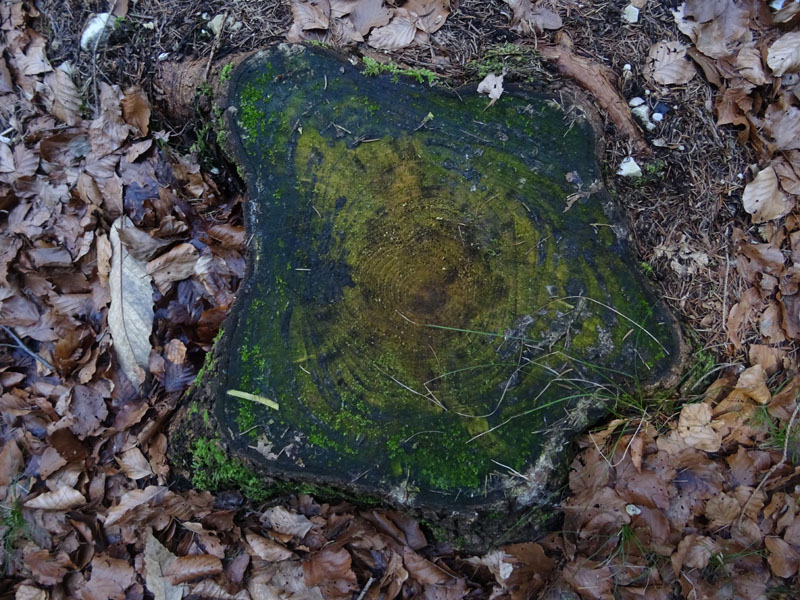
266 549
399 33
768 357
281 520
311 14
196 566
132 500
770 324
109 579
694 551
330 571
592 580
157 560
11 462
704 10
63 498
134 464
783 560
88 411
753 381
667 64
136 110
784 54
717 37
721 510
782 123
29 592
694 427
66 99
763 199
528 18
367 14
750 66
429 15
175 265
47 568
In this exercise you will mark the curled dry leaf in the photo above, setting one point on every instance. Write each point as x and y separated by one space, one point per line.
134 464
763 199
753 381
63 498
367 14
187 568
11 462
667 64
784 54
130 316
66 98
132 500
429 15
175 265
109 579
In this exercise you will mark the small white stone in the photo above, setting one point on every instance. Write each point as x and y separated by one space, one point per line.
633 510
630 14
163 56
658 117
659 143
149 25
627 67
215 24
634 102
629 168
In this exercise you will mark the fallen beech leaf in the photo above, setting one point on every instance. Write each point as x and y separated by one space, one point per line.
703 11
46 568
66 98
134 464
157 559
266 549
330 571
88 411
493 86
311 14
783 560
693 427
768 357
784 54
109 580
368 14
753 381
423 570
175 265
136 110
196 566
667 64
130 316
140 244
399 33
721 510
782 122
29 592
283 521
763 199
694 551
739 313
130 501
11 462
528 18
749 65
62 499
429 15
592 580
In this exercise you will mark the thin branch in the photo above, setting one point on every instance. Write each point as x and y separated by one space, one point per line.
21 345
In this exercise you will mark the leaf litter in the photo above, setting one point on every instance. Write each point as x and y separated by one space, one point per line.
691 506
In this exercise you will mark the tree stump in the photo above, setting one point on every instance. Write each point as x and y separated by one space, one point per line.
439 293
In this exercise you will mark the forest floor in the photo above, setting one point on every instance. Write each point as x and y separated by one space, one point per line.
694 495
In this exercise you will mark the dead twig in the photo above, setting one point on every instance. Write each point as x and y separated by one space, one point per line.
21 345
215 45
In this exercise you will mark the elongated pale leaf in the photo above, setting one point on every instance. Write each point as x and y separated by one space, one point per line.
157 559
399 33
61 499
130 316
66 98
186 568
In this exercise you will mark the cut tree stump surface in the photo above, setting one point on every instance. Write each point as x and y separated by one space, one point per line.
434 287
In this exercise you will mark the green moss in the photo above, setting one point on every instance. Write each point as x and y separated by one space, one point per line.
373 68
213 470
12 525
208 361
226 72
